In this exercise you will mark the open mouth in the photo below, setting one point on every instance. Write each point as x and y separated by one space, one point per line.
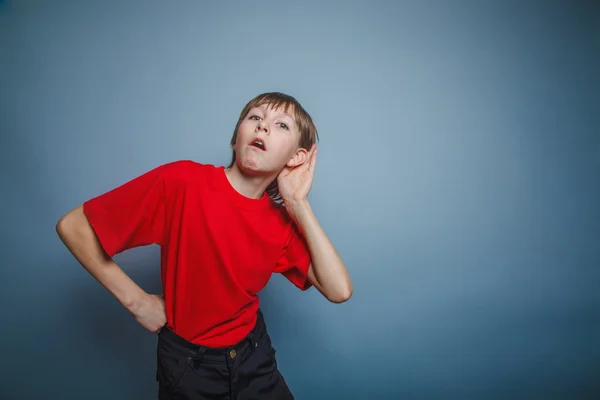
258 144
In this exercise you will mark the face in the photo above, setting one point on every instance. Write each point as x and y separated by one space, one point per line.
267 141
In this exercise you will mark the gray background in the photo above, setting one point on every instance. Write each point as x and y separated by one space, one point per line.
458 176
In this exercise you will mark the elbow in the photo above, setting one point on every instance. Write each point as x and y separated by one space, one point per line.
341 296
62 226
67 224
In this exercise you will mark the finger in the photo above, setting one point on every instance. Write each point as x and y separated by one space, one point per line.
310 152
309 157
313 161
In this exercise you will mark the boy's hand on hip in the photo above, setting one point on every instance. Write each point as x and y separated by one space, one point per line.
295 183
150 312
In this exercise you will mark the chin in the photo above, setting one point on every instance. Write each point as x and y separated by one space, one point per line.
250 168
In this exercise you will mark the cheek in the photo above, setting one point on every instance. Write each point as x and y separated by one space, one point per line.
288 149
243 135
243 129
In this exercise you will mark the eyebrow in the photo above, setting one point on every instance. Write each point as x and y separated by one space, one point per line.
282 113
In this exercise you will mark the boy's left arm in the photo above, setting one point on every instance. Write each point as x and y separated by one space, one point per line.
327 271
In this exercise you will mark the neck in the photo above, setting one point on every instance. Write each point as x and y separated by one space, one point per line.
252 186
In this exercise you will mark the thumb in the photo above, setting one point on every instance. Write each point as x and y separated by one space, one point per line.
284 172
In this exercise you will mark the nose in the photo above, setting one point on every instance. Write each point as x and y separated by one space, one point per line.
262 126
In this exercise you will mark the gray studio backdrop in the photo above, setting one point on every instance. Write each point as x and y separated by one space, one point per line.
458 176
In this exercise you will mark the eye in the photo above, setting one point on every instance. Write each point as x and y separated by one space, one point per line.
254 117
284 126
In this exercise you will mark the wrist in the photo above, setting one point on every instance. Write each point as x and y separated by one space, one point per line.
136 302
298 209
297 205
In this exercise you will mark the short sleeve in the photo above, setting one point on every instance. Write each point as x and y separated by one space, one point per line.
130 215
294 260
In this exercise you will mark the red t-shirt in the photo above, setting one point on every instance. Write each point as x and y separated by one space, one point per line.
218 247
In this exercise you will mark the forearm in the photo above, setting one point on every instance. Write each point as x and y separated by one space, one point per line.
78 236
327 265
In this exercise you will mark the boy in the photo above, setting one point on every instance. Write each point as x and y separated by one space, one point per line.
222 232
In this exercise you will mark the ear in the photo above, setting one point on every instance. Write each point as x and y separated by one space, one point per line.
299 158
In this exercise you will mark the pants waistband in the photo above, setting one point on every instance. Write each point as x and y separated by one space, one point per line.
222 353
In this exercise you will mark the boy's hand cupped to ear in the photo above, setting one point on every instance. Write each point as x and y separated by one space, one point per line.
295 182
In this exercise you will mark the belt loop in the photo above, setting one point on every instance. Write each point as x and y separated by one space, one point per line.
253 343
197 360
256 333
253 339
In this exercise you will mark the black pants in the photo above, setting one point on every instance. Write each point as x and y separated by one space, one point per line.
247 370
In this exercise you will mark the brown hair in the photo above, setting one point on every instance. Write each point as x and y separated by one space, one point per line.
308 130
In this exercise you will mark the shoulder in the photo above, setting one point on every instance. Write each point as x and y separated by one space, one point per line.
178 175
186 169
181 166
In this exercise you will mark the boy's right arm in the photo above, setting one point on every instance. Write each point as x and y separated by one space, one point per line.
77 234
